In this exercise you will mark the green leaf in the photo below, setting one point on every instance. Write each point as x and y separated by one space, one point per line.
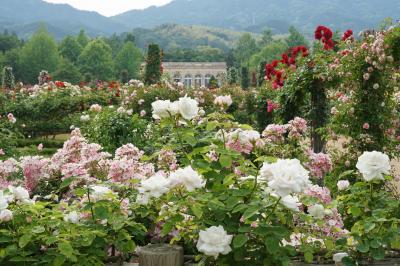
38 229
59 261
196 209
24 240
225 160
272 244
363 247
66 249
67 182
239 240
378 253
355 211
308 257
250 212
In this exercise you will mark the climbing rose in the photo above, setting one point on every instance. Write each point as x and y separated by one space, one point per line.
373 165
214 241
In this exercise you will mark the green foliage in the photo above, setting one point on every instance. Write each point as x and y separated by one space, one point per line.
129 58
8 79
39 53
82 38
112 129
96 59
198 54
268 53
153 65
244 78
213 82
233 76
70 49
67 71
245 48
295 38
8 41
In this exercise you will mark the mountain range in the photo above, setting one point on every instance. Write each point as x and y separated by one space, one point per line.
24 16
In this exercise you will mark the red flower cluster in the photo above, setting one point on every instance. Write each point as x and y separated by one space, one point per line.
324 34
270 69
59 84
348 34
271 106
294 51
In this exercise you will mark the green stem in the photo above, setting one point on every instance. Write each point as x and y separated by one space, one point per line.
91 207
274 208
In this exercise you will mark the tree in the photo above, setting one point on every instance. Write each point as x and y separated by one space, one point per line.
8 41
70 49
295 38
270 52
261 73
245 48
8 80
153 65
124 76
129 58
266 38
232 76
213 82
39 53
245 79
82 38
12 58
67 71
96 59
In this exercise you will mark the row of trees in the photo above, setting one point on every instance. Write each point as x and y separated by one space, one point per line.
78 58
73 59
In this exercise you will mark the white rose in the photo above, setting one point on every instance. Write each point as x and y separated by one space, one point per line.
72 217
286 177
225 100
174 108
161 109
372 165
343 184
6 215
3 201
317 211
85 118
187 177
214 241
154 186
291 202
100 193
339 256
188 107
19 193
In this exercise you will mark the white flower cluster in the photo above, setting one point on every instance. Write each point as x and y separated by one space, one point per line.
223 101
285 177
214 241
187 107
17 194
157 185
100 193
373 165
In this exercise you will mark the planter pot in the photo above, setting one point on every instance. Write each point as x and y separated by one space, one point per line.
161 255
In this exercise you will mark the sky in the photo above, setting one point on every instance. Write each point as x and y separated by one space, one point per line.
110 7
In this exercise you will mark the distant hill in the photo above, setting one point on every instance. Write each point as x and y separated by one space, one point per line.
24 17
170 36
255 15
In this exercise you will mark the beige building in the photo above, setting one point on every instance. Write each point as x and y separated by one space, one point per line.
195 74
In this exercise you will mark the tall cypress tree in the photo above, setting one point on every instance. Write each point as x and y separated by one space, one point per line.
153 65
8 80
245 79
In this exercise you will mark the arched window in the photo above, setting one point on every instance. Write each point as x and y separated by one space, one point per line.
197 81
188 81
207 80
177 78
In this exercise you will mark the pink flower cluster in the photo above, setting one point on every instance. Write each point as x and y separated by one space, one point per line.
126 165
167 160
319 164
295 129
275 133
34 168
237 145
333 225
